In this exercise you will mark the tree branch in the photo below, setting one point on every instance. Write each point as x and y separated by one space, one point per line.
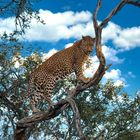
20 8
77 118
100 136
112 13
117 9
135 3
95 15
2 9
8 103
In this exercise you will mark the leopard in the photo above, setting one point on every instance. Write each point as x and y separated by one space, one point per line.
43 79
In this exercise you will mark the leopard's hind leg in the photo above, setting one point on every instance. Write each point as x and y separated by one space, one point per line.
48 90
36 93
36 97
42 89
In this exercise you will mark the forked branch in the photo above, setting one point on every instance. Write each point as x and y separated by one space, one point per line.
113 12
117 9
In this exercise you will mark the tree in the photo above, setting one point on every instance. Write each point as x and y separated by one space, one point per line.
14 71
98 115
23 12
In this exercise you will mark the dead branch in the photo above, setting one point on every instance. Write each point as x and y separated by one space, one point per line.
95 16
113 12
77 118
8 103
117 9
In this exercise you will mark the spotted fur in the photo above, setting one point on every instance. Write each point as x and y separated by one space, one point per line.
60 65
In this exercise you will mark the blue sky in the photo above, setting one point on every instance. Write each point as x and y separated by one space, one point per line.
66 21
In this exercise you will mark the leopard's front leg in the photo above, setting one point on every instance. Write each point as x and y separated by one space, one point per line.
79 74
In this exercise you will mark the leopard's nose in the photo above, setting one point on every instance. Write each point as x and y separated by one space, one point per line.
89 48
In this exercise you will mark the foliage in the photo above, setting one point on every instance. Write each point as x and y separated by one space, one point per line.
108 108
102 108
22 11
14 71
105 108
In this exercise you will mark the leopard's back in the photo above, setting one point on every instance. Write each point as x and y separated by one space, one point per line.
60 64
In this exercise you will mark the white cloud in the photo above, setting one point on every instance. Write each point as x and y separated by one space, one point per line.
131 74
65 18
49 54
69 24
68 45
124 38
116 76
110 31
110 55
60 26
128 38
113 74
5 26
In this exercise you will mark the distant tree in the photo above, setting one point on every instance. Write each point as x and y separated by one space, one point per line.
22 11
14 71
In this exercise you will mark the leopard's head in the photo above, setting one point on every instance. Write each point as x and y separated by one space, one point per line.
87 44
